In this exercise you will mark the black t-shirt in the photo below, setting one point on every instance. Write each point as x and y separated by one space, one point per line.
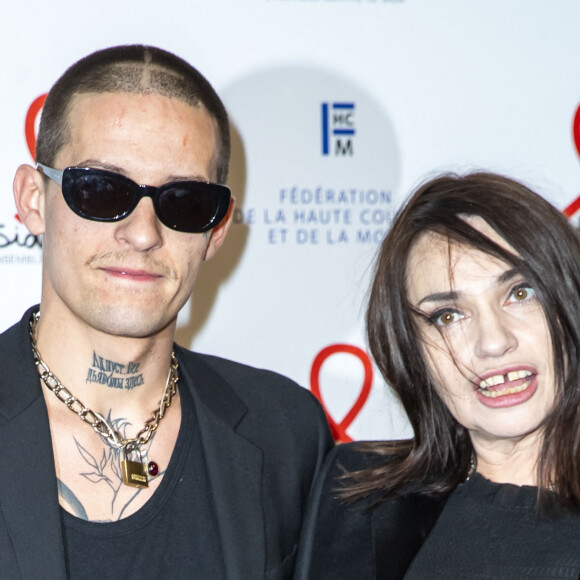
491 531
174 535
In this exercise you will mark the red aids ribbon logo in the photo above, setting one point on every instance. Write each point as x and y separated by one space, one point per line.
30 123
338 429
575 205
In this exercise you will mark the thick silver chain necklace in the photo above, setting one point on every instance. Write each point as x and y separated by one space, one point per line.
135 473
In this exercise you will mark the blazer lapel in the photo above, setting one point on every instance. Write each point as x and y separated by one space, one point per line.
29 496
399 529
234 467
28 493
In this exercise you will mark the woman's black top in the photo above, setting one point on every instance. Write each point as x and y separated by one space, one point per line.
493 531
482 530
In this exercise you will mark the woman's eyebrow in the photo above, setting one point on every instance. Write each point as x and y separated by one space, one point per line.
439 297
507 276
502 279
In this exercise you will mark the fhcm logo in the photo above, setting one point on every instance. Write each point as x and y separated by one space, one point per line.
337 128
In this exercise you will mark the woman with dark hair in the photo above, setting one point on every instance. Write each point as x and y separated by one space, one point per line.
474 322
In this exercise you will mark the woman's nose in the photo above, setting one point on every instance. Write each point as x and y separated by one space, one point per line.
494 335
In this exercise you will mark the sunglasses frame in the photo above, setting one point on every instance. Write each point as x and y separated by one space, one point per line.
66 178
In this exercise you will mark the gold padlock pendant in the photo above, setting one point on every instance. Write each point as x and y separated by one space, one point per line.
134 473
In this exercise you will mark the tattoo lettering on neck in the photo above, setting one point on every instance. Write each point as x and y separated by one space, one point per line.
114 374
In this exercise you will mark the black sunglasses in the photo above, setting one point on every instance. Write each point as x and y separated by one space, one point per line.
104 196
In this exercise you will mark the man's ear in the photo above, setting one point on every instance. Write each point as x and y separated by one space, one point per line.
29 197
218 234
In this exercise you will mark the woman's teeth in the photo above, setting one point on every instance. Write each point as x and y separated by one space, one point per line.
496 380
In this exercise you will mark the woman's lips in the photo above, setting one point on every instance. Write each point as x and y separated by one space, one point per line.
507 387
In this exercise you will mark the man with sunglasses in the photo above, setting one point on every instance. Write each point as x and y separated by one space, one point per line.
124 454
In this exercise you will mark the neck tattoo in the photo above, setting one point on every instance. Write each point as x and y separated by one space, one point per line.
135 473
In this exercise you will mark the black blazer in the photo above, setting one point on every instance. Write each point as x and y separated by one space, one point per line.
361 540
264 439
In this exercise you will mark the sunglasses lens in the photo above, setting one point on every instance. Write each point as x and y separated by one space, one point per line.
100 197
188 207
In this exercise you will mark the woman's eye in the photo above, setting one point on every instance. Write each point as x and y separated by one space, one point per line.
522 293
445 317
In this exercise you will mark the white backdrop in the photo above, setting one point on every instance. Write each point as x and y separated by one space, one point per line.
339 108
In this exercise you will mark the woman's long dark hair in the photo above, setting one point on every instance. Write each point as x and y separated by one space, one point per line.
438 458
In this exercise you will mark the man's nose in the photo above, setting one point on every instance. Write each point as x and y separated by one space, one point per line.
141 229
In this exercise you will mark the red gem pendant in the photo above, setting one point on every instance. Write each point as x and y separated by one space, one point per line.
152 468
